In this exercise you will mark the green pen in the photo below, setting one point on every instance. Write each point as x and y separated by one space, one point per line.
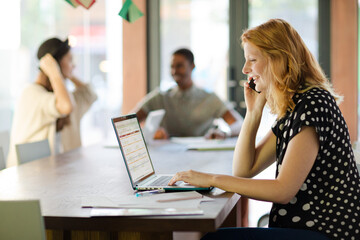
147 193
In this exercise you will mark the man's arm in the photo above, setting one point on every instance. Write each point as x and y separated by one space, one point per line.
141 115
234 120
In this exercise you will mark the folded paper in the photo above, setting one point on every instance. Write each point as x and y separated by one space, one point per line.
130 12
86 3
72 3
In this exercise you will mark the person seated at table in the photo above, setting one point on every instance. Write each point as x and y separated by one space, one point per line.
190 110
316 192
46 107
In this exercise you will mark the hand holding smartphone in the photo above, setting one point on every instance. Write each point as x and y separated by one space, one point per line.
252 85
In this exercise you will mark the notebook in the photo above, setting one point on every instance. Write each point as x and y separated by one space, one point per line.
137 159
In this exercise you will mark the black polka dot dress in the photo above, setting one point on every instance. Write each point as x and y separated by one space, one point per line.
329 199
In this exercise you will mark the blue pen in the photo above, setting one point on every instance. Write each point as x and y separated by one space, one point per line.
146 193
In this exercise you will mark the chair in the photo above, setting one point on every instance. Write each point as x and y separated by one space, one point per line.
263 220
357 158
6 118
356 155
4 142
28 152
21 220
2 159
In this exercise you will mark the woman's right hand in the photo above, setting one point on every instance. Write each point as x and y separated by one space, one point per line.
49 66
194 178
254 101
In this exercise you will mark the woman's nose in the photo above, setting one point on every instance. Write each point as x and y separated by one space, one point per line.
246 70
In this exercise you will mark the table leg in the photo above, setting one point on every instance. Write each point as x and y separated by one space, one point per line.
238 216
244 212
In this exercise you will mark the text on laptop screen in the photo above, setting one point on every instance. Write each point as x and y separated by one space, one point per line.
134 149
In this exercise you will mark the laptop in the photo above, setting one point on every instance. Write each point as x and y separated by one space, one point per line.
137 159
152 123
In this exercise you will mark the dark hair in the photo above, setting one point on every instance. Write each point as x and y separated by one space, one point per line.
186 53
55 47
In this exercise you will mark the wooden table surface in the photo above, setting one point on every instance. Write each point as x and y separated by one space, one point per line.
60 182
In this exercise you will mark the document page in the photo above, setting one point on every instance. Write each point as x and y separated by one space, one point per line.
190 199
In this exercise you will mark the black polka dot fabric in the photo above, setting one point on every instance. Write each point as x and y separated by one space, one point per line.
329 199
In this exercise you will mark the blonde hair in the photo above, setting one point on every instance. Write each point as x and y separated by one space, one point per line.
290 64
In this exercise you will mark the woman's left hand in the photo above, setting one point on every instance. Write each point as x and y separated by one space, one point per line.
161 133
194 178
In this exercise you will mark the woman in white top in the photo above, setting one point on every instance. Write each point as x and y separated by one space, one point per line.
46 108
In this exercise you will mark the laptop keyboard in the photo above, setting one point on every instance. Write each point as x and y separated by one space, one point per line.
161 181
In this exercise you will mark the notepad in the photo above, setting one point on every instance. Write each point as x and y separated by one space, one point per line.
102 212
178 200
163 204
181 196
193 140
219 146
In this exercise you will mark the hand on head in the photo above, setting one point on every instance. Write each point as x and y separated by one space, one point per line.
49 66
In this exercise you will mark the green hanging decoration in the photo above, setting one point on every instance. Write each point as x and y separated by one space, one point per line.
72 3
130 12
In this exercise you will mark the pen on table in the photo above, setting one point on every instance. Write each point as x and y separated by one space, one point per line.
213 134
146 193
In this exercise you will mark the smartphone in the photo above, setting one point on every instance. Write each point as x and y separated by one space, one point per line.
252 85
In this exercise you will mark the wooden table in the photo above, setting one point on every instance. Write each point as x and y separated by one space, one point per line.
60 182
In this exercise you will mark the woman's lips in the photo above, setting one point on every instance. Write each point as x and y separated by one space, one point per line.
254 78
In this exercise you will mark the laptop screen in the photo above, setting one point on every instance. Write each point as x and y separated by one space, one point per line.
133 147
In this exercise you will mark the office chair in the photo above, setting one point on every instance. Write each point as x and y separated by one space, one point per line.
263 220
6 118
4 142
21 220
357 157
28 152
2 159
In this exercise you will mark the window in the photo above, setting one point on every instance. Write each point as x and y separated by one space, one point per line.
96 37
202 26
301 14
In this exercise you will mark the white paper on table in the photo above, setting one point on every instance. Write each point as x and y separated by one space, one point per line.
193 140
148 202
100 212
212 146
